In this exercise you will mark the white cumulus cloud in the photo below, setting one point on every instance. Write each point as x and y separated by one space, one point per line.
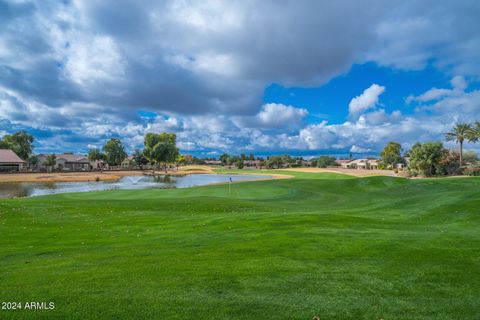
367 100
278 115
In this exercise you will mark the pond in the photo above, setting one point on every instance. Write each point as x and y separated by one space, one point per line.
30 189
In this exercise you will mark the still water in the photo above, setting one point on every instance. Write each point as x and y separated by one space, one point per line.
30 189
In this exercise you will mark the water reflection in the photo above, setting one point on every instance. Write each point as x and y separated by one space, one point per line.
27 189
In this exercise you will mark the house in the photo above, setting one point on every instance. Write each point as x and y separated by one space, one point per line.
188 158
213 162
306 163
97 164
403 166
9 161
343 162
127 162
67 162
252 163
366 164
359 164
373 164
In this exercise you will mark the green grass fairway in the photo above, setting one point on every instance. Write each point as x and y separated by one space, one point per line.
319 244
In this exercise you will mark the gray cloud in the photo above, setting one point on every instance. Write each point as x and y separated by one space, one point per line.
200 57
98 62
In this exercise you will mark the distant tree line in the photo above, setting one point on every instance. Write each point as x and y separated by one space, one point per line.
324 161
239 160
160 149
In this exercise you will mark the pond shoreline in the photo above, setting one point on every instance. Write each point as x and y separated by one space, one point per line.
159 181
90 176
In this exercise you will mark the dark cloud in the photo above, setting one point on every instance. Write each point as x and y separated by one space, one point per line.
198 57
211 58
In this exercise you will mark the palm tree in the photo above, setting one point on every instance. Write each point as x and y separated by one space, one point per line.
459 133
474 132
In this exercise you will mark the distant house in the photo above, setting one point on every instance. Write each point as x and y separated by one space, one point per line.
213 162
9 161
67 162
127 162
306 163
403 166
188 158
367 164
359 164
252 163
373 164
343 162
97 164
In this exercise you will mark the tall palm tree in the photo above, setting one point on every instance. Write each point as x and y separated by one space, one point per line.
474 132
459 133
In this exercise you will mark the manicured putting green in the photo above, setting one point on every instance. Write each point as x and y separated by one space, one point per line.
318 244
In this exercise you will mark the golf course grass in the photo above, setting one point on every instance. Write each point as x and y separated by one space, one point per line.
318 244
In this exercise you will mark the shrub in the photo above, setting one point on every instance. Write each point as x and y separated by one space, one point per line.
425 158
239 164
450 163
472 170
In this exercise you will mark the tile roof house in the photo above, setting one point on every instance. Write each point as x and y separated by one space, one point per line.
252 163
343 162
372 164
9 161
67 162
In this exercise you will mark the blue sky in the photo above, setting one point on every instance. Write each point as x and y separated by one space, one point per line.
326 101
230 76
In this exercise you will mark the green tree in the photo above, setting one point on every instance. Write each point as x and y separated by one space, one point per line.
275 161
95 155
261 163
425 158
32 160
114 152
474 132
239 163
251 157
139 158
392 154
232 160
224 158
50 161
19 142
459 133
326 161
160 148
180 159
